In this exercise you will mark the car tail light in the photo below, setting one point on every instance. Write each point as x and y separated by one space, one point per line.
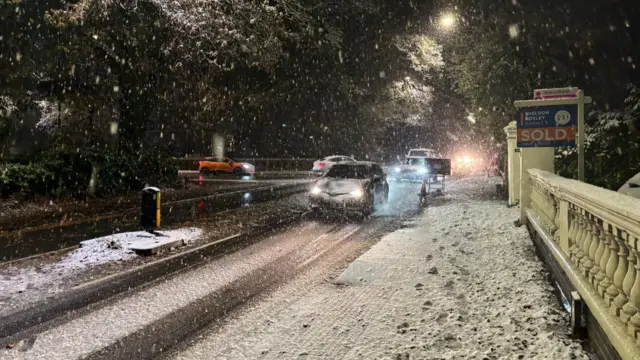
321 164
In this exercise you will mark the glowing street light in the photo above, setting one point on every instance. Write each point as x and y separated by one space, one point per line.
447 21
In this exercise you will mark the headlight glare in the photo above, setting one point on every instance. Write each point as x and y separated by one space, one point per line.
316 190
357 193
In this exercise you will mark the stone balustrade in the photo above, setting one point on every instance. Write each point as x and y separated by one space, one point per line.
594 235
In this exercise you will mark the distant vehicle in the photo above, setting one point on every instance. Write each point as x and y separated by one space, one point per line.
351 187
325 164
467 164
413 169
422 153
223 165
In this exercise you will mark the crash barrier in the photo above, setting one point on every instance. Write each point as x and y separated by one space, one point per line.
29 242
261 164
592 237
195 176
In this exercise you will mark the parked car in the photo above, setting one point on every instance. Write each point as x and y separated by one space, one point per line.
350 187
325 164
223 165
631 187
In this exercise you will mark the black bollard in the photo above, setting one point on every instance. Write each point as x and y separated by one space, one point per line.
150 209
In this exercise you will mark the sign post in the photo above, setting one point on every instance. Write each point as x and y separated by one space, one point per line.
547 126
558 93
554 119
557 121
581 134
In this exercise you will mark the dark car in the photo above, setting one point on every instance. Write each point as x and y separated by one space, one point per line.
356 186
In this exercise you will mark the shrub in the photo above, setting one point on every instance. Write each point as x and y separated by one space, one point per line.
29 180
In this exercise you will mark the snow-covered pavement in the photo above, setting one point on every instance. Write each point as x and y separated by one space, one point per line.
461 282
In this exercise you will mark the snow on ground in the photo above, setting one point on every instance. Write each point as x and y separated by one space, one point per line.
51 278
462 282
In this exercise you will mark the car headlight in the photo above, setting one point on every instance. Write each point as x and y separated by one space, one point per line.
246 166
397 169
423 170
316 190
357 193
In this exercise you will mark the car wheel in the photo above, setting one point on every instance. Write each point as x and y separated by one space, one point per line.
237 172
204 171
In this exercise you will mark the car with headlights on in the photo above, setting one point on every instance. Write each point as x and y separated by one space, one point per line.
223 165
422 152
350 187
323 165
413 169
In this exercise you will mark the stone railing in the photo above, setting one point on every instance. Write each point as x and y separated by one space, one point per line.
594 235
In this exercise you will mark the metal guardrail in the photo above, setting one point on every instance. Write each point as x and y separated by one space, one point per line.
261 164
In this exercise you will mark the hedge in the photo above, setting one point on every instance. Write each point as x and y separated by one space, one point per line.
70 173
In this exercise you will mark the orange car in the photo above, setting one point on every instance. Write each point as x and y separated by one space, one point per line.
215 166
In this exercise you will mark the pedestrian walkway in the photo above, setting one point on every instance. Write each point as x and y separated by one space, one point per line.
460 282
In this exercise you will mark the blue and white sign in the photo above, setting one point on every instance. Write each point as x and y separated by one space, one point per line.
547 126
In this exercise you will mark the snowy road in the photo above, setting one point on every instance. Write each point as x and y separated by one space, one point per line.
460 283
322 245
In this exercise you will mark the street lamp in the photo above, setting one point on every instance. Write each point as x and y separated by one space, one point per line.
447 21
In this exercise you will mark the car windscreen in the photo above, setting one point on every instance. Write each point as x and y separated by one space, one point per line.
350 172
416 161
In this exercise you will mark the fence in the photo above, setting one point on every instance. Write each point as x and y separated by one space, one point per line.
593 235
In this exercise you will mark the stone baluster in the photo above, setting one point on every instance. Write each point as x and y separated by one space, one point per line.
629 280
634 296
535 201
580 237
595 243
556 222
602 255
616 292
587 262
610 263
542 207
552 205
573 234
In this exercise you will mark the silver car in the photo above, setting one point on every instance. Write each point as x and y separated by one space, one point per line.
350 187
325 164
